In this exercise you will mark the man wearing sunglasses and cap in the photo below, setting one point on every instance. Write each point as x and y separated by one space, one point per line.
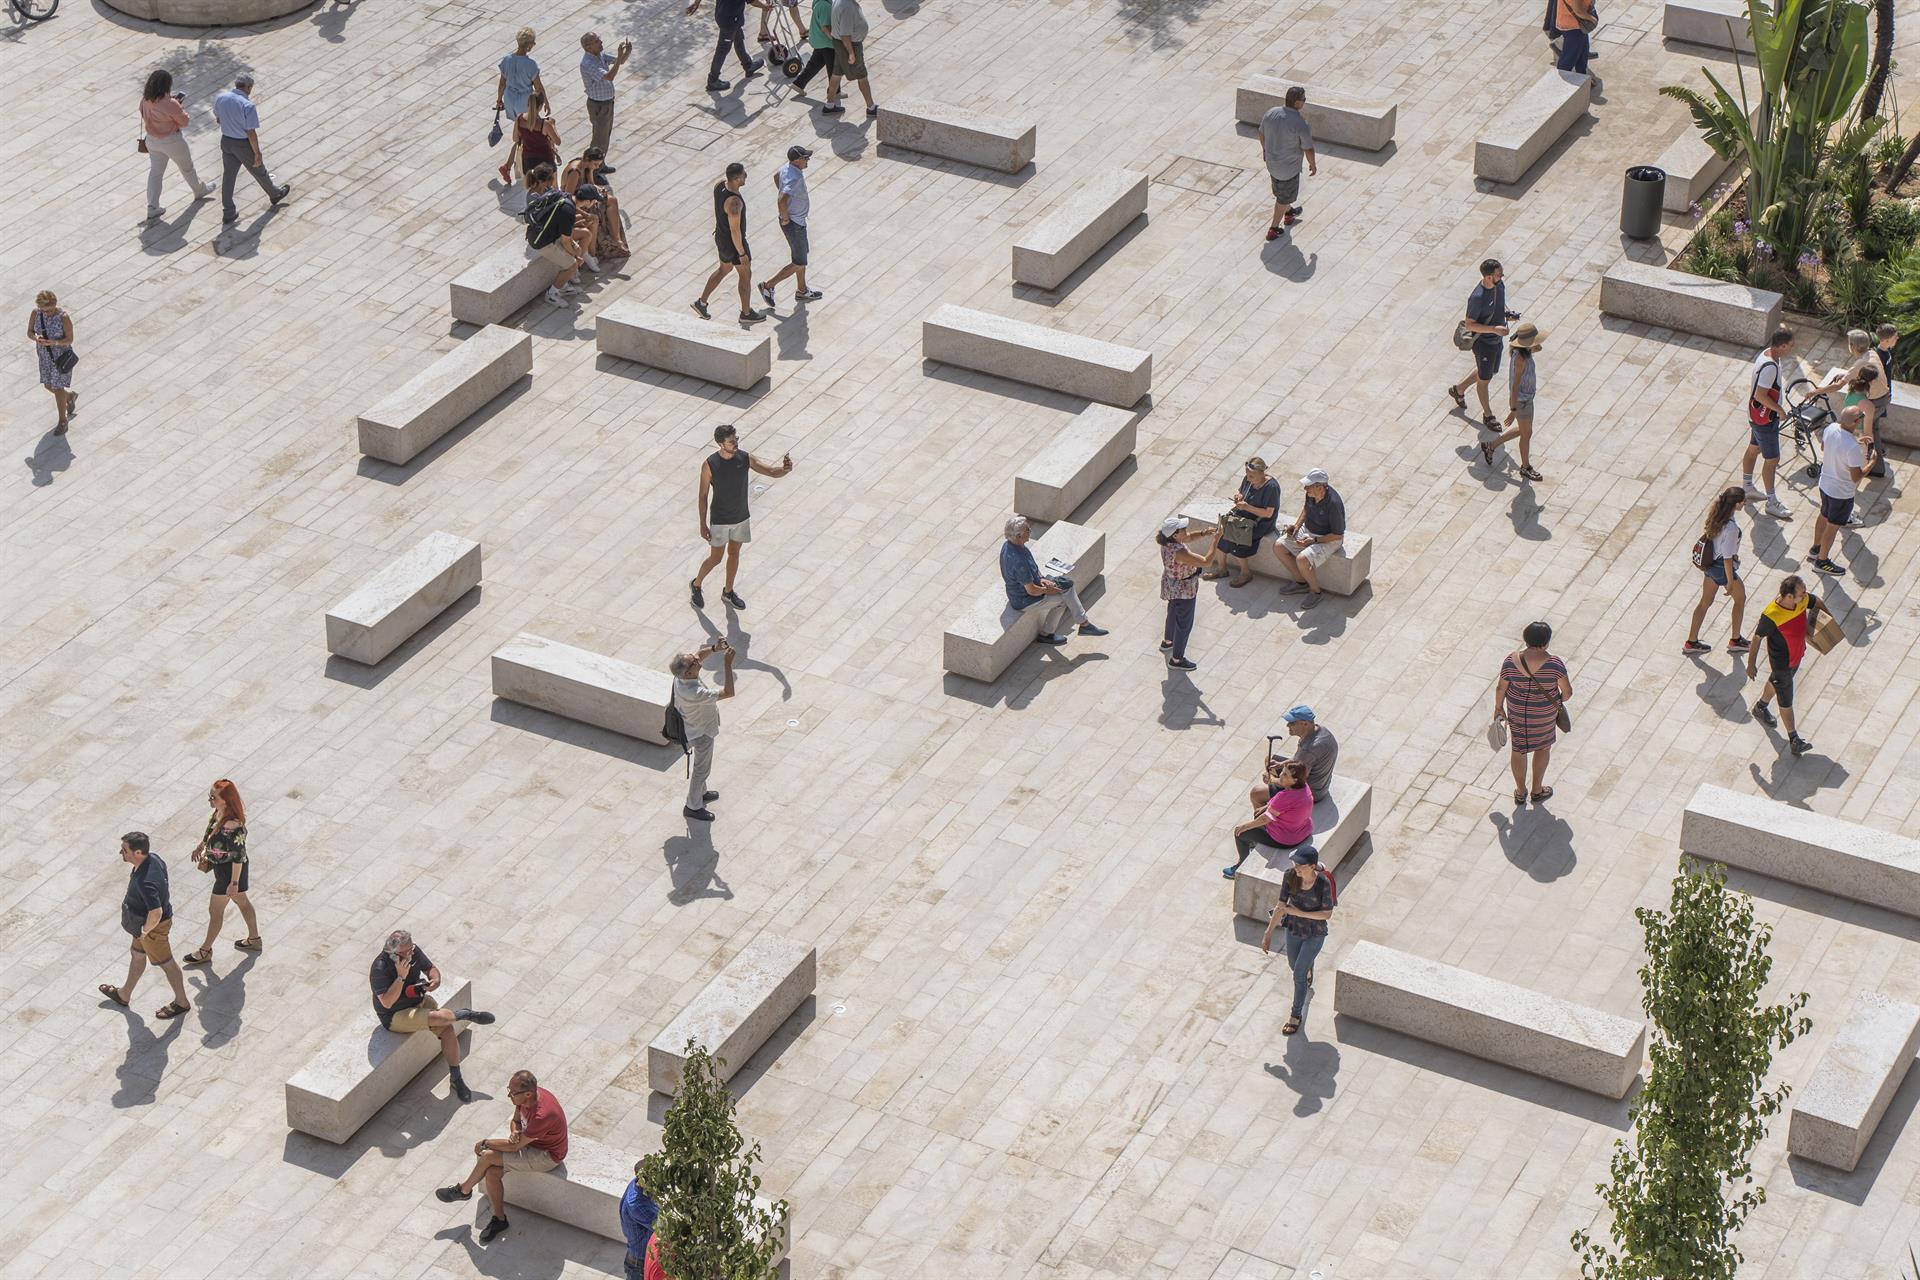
1314 538
791 183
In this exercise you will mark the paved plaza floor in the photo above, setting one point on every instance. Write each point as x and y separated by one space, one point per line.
1042 1046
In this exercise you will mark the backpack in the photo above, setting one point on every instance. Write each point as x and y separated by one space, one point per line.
541 211
1702 552
675 731
1758 414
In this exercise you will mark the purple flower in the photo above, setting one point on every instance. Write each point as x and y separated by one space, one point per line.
1762 248
1740 226
1809 259
1693 210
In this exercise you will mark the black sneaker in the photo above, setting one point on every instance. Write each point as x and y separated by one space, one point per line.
1044 638
699 596
449 1195
732 597
809 295
700 309
751 317
708 797
698 815
1826 565
1798 745
286 190
228 219
479 1017
1764 715
832 109
1181 664
1696 646
718 86
608 169
495 1227
753 68
1739 644
766 291
460 1089
1088 629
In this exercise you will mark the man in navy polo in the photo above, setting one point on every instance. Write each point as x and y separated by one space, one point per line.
146 913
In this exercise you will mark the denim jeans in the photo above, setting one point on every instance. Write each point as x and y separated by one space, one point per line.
1301 953
1573 51
732 37
1180 624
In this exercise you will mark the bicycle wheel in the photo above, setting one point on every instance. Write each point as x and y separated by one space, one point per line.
35 10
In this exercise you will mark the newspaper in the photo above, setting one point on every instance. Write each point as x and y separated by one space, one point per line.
1055 567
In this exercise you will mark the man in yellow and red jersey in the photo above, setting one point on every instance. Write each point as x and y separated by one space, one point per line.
1783 629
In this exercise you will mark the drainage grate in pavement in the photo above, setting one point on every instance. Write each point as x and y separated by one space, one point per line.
691 136
1241 1265
1204 176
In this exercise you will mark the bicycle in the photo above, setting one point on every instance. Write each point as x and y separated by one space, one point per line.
33 10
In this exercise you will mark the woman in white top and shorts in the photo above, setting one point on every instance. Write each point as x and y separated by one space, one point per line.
1720 568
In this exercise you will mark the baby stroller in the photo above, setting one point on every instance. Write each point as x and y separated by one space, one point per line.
786 37
1808 414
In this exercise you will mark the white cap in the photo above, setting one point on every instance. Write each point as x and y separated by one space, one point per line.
1172 525
1315 476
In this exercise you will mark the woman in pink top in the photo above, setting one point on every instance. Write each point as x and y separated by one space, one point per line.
1286 823
162 117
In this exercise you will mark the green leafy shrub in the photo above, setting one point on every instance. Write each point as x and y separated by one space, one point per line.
1856 294
1892 225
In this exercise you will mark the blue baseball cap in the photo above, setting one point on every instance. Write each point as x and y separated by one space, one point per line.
1299 713
1305 853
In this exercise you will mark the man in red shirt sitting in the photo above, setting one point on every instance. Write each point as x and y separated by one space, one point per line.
536 1141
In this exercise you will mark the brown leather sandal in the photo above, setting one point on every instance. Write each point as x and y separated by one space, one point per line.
173 1009
113 994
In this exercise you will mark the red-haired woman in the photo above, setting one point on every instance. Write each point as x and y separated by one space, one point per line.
223 851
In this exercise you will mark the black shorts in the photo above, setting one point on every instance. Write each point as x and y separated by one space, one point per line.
1835 511
796 234
1486 359
223 876
727 254
1782 680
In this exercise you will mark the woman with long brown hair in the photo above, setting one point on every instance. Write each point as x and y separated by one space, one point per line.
1719 562
223 851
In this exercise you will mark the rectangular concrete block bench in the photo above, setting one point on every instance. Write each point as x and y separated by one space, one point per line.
1338 823
955 133
1498 1021
983 642
584 1190
1342 575
1902 423
360 1070
1779 840
1717 24
1096 211
1031 353
736 1012
1071 466
1835 1113
585 686
501 283
1692 167
1342 119
681 342
1675 300
445 394
403 597
1529 124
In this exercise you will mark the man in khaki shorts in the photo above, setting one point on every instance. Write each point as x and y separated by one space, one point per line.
146 913
536 1141
403 979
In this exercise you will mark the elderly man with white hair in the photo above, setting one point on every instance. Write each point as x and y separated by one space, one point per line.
696 701
403 984
1027 587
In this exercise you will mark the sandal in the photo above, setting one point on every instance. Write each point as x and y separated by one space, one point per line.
1520 795
171 1010
203 956
1459 397
1486 451
113 994
1490 422
1531 474
248 944
1213 575
1544 793
1293 1025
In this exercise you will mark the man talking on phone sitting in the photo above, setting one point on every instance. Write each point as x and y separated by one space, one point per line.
403 980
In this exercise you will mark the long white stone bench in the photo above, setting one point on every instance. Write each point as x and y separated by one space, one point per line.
1094 212
360 1070
1675 300
1343 574
1717 24
1338 823
583 685
1032 353
737 1011
985 640
501 283
1787 843
1072 464
681 342
1342 119
1835 1113
1902 425
1530 123
403 597
445 394
1512 1025
956 133
584 1190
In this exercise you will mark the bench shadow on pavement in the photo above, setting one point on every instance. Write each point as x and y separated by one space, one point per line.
1853 1187
1052 297
1819 903
1479 1072
575 733
538 1248
887 151
1332 150
758 1063
362 676
667 380
414 1117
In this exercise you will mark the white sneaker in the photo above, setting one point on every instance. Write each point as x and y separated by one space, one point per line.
571 287
1752 491
1777 509
593 264
1854 521
553 296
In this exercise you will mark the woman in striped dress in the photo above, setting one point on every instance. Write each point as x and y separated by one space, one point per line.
1533 686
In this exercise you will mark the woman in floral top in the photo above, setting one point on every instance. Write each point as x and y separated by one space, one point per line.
1307 897
223 851
1179 583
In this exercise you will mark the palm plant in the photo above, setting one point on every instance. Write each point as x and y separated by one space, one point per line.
1811 56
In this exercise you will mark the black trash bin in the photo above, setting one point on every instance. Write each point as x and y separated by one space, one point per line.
1645 192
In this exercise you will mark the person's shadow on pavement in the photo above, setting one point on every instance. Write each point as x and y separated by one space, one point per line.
694 866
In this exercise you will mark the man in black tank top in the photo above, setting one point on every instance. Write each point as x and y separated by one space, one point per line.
722 506
730 238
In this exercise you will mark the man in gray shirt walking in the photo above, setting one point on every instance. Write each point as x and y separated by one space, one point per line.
1284 138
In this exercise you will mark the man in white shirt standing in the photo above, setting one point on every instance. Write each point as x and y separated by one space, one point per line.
1284 139
697 702
795 205
597 70
1842 464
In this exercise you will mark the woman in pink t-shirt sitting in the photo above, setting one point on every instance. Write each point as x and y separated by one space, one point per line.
1287 822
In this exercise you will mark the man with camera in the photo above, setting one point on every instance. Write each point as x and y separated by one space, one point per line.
597 70
697 702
